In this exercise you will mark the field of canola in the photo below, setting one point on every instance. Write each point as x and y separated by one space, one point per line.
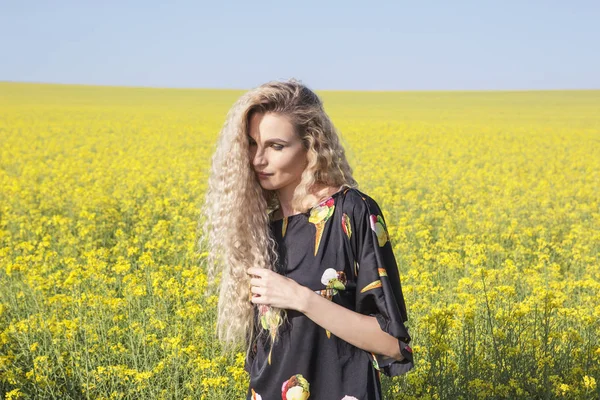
492 201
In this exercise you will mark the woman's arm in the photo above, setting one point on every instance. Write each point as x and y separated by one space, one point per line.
360 330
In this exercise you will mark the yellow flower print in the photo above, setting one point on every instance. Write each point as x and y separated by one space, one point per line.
255 396
372 285
295 388
322 212
319 216
284 225
269 321
378 226
346 227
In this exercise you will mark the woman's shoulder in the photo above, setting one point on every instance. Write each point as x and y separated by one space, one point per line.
358 202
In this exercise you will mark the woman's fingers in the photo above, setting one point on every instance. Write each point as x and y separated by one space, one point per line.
257 282
259 300
268 287
257 271
257 290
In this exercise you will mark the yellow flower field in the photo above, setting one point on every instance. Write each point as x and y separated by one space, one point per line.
492 202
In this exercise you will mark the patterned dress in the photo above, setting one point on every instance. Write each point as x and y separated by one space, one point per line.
341 250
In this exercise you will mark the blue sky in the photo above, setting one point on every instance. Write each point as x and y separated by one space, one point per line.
345 45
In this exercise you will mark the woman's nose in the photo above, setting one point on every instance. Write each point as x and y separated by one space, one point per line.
258 159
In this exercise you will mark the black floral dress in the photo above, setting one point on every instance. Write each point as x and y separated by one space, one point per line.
341 250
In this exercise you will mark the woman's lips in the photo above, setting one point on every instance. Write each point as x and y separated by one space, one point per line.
261 175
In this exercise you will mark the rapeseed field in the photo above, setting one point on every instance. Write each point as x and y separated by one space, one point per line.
492 201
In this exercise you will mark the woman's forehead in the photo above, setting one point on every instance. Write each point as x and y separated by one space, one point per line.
271 126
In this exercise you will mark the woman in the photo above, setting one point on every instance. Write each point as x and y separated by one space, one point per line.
309 282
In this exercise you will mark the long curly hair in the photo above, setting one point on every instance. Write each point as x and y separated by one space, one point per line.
235 216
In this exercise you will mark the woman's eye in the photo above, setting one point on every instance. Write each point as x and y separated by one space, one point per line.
274 145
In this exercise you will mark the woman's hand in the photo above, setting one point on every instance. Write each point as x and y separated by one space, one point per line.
269 287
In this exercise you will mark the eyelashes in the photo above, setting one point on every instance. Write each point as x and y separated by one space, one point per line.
277 147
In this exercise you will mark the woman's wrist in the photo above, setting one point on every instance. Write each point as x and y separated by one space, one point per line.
303 297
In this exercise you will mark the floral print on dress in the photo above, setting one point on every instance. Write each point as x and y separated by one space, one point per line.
378 226
269 320
319 216
373 285
295 388
349 398
284 225
334 281
255 396
346 227
375 363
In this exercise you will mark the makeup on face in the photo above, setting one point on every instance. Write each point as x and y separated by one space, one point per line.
276 153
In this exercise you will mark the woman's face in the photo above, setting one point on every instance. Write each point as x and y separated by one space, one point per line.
276 151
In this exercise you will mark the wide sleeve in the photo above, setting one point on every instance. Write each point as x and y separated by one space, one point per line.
378 289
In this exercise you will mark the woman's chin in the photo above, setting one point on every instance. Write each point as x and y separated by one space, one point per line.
265 184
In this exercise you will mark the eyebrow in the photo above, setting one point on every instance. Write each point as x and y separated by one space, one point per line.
271 140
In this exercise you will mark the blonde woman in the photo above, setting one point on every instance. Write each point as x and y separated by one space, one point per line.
307 278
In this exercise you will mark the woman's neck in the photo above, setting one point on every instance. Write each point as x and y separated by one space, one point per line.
322 193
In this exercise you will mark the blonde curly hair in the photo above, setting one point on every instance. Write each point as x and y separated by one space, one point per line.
234 221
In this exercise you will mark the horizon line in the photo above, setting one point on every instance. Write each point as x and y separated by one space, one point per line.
318 90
